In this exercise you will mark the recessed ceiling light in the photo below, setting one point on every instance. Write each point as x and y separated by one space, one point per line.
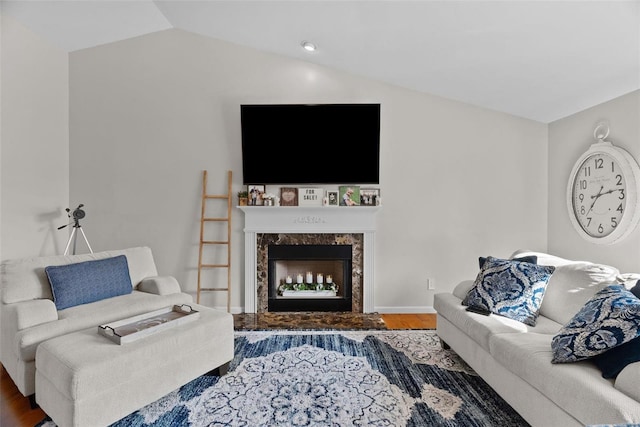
308 46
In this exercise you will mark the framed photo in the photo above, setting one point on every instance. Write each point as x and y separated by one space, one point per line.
369 196
332 198
349 195
310 196
288 196
255 194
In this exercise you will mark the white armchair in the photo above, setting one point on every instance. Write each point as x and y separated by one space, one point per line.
29 316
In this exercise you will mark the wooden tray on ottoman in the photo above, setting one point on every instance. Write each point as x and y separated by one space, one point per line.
136 327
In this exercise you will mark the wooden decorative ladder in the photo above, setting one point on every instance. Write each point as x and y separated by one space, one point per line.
205 219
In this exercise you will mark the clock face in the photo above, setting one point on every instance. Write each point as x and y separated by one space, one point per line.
599 195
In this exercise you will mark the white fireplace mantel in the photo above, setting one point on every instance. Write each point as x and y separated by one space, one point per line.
297 220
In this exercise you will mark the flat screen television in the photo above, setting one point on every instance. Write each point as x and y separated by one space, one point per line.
310 144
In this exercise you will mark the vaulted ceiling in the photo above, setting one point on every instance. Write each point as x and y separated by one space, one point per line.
541 60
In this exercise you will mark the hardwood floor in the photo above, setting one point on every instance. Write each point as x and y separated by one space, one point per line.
15 410
410 321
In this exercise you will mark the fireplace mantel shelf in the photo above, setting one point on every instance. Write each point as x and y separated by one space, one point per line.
303 219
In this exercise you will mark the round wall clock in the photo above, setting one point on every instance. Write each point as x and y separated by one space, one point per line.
602 194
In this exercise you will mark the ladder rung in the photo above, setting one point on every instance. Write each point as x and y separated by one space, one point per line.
214 242
214 289
215 219
216 196
213 265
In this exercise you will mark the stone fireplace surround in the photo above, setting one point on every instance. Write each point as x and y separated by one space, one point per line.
353 224
265 240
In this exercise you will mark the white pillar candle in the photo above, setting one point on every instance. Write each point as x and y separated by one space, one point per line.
289 279
329 278
319 278
299 278
309 277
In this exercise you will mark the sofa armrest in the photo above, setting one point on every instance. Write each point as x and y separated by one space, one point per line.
25 314
160 285
628 379
462 289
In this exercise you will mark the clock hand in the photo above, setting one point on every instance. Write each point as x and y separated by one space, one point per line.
610 191
595 198
600 193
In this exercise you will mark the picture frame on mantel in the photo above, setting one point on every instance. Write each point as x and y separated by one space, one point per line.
369 196
310 196
349 195
255 194
332 198
288 196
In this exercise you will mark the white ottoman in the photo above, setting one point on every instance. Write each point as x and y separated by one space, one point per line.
84 379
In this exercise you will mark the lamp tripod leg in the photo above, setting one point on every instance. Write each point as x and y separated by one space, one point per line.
85 240
71 237
74 237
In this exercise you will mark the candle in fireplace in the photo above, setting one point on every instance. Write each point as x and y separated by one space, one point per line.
309 277
299 278
319 278
329 278
289 279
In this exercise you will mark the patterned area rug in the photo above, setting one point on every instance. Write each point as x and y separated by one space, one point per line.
334 378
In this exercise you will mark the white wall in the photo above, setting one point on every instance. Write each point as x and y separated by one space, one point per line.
568 139
150 113
34 167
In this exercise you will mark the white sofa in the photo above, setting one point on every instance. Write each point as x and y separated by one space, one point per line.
515 359
29 316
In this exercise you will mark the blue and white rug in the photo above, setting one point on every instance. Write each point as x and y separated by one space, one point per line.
330 378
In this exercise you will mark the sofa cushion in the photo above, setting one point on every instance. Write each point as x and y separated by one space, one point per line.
571 286
609 319
542 258
462 289
578 388
89 281
510 288
24 279
480 328
627 381
613 361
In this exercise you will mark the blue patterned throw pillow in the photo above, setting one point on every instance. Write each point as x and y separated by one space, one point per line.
613 361
636 289
533 259
609 319
89 281
510 288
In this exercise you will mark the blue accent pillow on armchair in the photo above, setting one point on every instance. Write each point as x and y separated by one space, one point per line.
510 288
89 281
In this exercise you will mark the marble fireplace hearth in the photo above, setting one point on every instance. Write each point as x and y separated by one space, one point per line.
353 226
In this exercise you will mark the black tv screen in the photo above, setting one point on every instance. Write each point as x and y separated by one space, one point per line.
310 144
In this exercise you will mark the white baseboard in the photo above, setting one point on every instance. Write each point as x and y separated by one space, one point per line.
419 309
234 310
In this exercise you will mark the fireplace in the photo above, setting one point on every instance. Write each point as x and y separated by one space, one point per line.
266 226
309 277
339 255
